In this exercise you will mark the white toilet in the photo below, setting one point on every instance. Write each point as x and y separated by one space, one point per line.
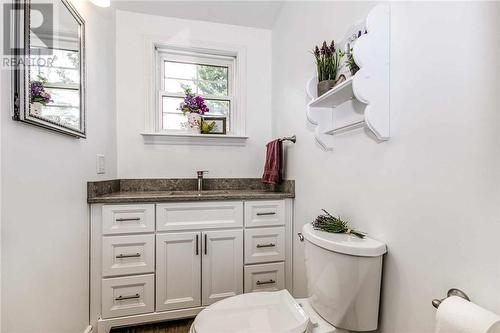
343 277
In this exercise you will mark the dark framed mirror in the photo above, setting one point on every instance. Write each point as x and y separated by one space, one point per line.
49 78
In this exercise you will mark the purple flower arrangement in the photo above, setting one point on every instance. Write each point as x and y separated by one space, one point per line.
327 61
38 93
193 103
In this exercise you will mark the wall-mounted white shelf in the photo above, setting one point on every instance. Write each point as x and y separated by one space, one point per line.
370 86
336 96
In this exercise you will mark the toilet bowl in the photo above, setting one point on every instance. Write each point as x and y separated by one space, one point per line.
343 275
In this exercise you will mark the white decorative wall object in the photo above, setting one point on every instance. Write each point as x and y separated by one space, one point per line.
370 85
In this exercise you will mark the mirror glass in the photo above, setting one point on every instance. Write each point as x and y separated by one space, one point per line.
54 75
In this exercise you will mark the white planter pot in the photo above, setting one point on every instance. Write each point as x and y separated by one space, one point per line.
36 109
194 123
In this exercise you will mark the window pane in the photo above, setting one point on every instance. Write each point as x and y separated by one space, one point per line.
218 108
202 79
170 104
171 117
218 88
212 80
64 97
178 86
174 121
180 70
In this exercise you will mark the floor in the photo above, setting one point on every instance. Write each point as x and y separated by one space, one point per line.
177 326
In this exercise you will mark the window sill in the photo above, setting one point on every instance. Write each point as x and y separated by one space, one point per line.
180 138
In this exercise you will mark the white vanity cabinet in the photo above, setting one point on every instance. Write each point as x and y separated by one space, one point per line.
162 261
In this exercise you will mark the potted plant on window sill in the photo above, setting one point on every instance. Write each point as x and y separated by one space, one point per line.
193 107
38 96
327 63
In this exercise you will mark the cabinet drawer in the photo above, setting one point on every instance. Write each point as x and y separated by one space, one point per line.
264 213
199 215
121 219
122 255
265 277
125 296
264 245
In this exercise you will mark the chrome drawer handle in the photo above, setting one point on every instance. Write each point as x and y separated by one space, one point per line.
265 282
265 245
266 213
121 298
125 219
128 255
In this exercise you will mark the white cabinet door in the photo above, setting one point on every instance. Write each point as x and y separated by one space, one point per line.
178 270
222 265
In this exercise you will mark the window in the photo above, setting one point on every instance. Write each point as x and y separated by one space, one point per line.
211 76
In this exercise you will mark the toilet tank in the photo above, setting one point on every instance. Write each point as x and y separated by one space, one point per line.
344 274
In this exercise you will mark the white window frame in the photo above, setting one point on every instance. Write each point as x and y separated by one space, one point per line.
153 132
194 58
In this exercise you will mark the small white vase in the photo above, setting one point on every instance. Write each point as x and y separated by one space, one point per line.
194 123
36 109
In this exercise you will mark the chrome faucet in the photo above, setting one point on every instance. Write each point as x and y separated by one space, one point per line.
200 179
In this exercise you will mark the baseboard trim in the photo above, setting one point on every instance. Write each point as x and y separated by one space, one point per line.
88 329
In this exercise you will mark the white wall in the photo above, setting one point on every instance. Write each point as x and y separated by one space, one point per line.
432 191
44 217
135 159
3 106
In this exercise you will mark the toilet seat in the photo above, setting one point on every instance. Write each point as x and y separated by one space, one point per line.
260 312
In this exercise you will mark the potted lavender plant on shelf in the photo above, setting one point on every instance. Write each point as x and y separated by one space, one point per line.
194 107
38 96
327 63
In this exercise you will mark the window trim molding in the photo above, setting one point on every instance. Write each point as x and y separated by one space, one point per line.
183 46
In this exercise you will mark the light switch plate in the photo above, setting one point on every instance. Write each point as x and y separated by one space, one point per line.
100 164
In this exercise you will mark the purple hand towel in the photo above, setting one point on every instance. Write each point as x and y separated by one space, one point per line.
274 163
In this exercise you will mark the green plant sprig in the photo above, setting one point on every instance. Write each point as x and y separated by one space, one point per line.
329 223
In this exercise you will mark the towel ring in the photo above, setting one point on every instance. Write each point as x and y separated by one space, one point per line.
452 292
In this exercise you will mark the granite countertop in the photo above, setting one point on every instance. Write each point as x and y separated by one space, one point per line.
164 190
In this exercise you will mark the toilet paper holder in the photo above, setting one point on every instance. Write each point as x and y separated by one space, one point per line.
451 292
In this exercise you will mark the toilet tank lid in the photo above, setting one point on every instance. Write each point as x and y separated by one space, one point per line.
344 243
